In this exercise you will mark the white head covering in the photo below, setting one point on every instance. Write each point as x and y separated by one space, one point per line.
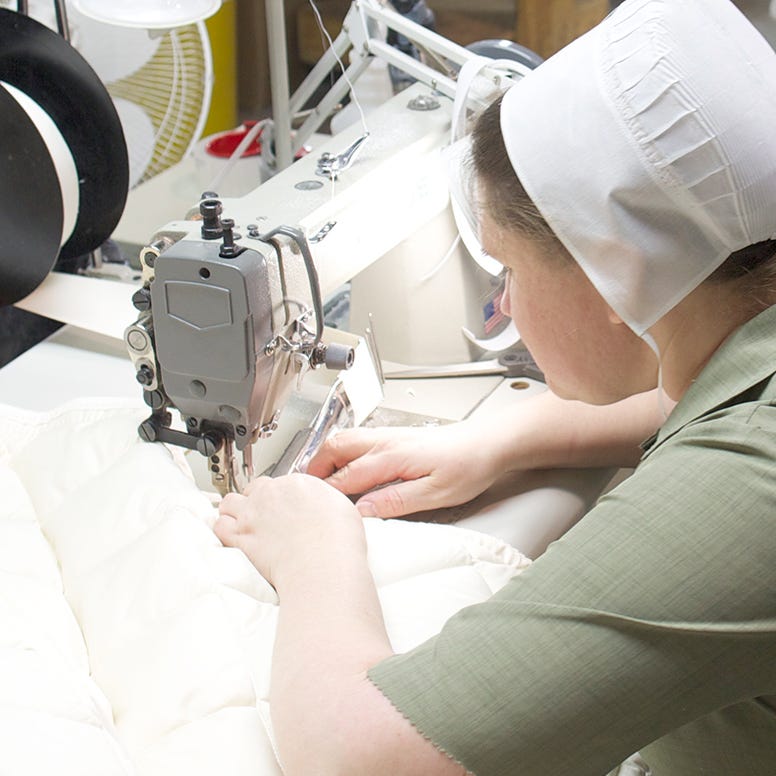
649 146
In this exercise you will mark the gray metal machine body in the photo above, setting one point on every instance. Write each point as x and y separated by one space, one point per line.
212 317
224 332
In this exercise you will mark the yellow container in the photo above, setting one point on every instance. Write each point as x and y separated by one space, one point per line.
222 31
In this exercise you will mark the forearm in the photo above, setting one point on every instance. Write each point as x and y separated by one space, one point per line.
330 631
308 540
329 719
548 432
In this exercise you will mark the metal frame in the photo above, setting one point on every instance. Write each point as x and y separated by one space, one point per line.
363 31
22 7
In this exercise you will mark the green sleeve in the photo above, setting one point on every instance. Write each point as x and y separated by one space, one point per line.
656 610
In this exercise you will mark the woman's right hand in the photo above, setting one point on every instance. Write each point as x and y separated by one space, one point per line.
405 470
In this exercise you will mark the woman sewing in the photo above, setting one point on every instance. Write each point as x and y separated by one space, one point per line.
628 186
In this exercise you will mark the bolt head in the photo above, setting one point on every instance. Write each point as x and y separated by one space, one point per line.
147 431
144 375
207 445
141 300
137 340
154 399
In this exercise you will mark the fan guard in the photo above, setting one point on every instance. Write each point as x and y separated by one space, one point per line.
161 82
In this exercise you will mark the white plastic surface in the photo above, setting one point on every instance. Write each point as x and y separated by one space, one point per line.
147 14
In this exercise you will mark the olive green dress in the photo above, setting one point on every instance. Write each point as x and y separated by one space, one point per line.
650 626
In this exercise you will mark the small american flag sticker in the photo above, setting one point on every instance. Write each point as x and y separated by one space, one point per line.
492 311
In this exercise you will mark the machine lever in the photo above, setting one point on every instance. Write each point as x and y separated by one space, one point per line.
152 430
331 165
517 364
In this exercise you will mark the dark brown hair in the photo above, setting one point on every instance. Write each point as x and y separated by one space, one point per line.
500 190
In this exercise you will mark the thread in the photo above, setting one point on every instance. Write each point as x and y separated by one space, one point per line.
325 33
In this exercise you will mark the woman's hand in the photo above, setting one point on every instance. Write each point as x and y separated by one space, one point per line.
441 466
414 469
283 522
308 540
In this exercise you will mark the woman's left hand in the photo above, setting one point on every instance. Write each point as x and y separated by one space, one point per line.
283 522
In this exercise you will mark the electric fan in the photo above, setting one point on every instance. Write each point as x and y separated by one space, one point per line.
160 81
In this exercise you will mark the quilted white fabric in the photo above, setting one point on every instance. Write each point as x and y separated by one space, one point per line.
131 640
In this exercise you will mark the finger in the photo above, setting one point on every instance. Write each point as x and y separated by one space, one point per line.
256 484
232 504
225 529
398 500
340 450
373 470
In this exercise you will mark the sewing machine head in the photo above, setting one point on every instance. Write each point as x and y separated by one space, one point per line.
225 331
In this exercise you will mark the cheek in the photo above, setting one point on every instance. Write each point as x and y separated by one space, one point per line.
546 321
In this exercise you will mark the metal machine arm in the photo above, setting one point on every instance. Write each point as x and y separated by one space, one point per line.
363 32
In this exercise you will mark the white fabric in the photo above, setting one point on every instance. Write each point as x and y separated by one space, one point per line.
475 87
131 640
648 146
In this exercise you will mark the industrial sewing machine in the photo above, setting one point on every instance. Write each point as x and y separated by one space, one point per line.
227 317
231 303
230 306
